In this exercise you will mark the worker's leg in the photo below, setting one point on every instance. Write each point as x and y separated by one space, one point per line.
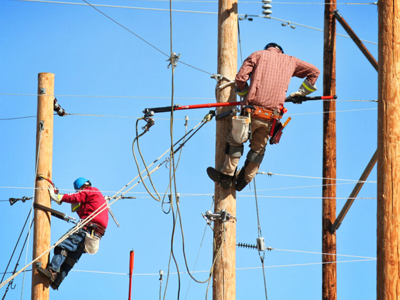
233 152
71 244
260 135
61 253
70 261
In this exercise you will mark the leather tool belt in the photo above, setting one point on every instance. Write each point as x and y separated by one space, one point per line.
97 228
262 113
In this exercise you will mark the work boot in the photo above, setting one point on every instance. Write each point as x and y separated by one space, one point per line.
224 180
49 274
241 183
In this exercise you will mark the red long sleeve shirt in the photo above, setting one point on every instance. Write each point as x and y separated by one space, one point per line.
270 72
90 199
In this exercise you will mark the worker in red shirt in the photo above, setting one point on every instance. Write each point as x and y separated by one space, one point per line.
85 201
269 72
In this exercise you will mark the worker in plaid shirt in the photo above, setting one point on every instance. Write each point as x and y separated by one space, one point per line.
269 72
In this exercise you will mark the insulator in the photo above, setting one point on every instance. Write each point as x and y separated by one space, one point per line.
266 1
267 6
243 245
267 12
292 26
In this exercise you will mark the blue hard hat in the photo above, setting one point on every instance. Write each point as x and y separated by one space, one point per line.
79 182
275 45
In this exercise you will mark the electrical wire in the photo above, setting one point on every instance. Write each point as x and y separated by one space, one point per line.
312 177
40 129
19 257
153 97
195 12
261 253
130 117
119 24
198 252
237 269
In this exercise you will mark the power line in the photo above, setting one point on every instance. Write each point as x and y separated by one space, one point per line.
238 269
111 96
250 2
195 12
167 119
311 177
155 97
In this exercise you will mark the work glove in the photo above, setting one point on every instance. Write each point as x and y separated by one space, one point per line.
55 196
242 93
305 89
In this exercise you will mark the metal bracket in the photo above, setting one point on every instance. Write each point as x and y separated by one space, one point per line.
222 215
108 198
219 77
173 60
150 122
42 91
23 199
41 125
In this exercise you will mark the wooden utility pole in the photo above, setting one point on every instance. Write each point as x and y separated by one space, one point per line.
329 286
224 277
44 156
388 210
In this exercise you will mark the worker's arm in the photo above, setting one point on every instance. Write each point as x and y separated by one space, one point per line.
304 69
245 71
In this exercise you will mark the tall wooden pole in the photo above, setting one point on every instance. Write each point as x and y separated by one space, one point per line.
388 210
224 277
329 286
44 154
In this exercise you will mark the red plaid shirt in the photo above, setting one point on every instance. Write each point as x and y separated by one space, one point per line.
270 72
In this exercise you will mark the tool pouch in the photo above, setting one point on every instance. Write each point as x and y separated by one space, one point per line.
92 243
277 133
240 129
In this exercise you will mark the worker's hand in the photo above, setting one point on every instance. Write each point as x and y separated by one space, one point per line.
55 196
295 100
242 93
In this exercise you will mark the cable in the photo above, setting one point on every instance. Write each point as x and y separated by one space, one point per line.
19 257
111 96
130 31
149 97
196 12
41 128
130 117
198 252
260 253
319 253
12 255
311 177
141 37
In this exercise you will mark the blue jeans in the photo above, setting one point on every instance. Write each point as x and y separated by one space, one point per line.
74 245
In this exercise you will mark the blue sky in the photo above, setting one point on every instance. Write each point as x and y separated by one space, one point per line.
101 69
